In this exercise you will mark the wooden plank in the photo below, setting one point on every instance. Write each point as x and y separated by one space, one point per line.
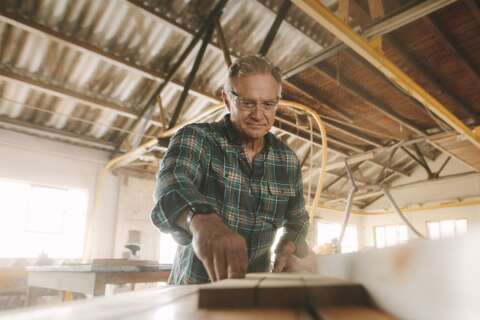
288 293
423 279
349 313
376 9
280 290
12 278
230 293
343 11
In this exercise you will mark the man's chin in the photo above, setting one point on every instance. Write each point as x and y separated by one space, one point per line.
255 132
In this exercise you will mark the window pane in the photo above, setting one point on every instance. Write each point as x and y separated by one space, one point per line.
47 209
327 232
391 235
461 226
447 228
403 233
168 248
37 218
380 237
433 230
350 240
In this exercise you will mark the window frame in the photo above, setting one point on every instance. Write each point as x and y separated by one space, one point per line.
440 232
64 233
399 242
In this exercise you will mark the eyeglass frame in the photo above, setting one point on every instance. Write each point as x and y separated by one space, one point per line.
268 108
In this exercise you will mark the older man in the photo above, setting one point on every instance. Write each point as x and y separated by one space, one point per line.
224 188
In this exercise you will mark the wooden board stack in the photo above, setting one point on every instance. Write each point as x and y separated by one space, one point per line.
267 290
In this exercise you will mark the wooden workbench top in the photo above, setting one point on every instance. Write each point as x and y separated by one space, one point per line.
177 303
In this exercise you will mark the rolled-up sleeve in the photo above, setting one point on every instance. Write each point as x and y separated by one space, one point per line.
179 179
296 220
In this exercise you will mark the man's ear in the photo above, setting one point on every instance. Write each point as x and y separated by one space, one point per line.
225 100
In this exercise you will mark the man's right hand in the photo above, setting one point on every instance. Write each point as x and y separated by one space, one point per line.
222 251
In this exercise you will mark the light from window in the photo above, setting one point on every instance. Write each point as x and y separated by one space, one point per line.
446 228
327 232
168 248
387 236
36 219
276 240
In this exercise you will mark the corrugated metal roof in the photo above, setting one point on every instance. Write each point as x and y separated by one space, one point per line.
86 69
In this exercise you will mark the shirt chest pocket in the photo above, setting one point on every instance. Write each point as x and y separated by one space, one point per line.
276 202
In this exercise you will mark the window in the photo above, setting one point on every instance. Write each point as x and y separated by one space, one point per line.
168 248
386 236
327 232
36 219
446 228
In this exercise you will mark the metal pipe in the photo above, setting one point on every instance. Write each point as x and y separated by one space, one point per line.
192 75
399 212
348 207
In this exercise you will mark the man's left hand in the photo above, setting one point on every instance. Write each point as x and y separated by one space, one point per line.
286 261
284 255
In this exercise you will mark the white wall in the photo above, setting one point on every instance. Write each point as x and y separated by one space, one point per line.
134 207
32 159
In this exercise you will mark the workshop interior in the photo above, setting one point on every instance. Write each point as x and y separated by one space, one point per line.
380 103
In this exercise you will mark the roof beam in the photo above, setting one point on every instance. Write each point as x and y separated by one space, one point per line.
54 134
67 94
389 24
474 9
410 185
447 42
144 6
141 123
295 84
360 92
267 43
432 79
75 43
88 100
343 32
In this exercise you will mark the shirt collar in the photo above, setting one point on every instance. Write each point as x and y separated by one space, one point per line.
234 137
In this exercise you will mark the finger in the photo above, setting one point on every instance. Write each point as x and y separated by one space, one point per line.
280 262
209 266
292 265
220 264
236 263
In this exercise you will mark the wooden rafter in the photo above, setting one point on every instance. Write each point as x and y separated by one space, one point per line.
433 80
441 35
360 92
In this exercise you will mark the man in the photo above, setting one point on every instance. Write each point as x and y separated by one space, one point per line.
223 189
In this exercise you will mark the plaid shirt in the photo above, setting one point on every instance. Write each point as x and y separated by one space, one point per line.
206 164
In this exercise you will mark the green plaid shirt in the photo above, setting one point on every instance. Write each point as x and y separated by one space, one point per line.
206 164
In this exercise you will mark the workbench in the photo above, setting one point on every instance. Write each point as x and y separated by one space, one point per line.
90 279
180 303
421 280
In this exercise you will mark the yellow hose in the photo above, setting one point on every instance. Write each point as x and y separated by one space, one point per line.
323 132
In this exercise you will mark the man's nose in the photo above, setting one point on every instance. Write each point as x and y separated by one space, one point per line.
257 112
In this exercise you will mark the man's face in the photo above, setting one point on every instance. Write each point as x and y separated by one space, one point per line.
252 104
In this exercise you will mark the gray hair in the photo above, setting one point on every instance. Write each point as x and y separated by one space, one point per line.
252 65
